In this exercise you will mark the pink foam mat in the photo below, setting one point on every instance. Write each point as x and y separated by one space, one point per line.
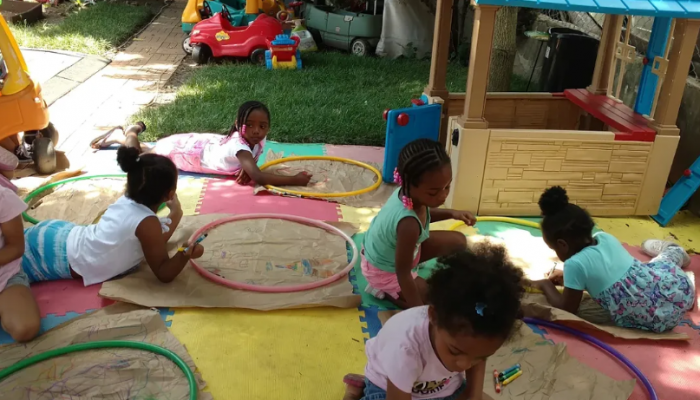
672 367
359 153
59 297
226 196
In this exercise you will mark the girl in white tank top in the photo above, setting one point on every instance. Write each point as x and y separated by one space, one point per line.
128 232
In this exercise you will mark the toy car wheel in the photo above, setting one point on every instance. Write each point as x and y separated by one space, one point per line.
44 156
50 133
360 47
258 56
187 46
200 54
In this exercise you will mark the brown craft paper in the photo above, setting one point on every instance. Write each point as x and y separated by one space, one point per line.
334 177
536 306
549 372
101 374
240 251
80 202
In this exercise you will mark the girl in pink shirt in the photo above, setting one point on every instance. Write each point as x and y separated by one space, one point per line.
19 313
439 351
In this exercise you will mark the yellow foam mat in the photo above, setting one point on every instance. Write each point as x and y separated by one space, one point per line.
291 354
683 229
189 191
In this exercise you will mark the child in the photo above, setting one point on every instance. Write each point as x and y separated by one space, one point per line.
398 238
425 352
235 154
19 313
128 232
652 296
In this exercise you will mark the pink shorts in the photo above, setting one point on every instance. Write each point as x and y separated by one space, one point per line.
381 283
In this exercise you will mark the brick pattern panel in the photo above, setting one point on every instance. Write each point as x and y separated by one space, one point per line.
604 177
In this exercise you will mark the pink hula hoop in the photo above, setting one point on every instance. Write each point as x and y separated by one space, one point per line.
274 289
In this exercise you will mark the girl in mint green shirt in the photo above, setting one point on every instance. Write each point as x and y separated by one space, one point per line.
653 296
399 237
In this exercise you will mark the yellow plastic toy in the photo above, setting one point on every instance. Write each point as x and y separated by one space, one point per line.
22 108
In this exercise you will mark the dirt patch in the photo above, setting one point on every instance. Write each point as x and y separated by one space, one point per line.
182 74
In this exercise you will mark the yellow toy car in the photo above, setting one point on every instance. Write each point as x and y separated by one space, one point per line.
22 108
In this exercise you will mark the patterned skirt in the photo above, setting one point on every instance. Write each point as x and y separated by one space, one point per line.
652 296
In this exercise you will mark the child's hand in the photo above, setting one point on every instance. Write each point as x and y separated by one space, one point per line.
464 216
556 277
195 251
174 204
302 178
243 178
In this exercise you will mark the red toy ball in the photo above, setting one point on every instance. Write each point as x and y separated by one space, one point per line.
385 114
402 119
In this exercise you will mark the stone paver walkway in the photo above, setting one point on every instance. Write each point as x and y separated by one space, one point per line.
129 83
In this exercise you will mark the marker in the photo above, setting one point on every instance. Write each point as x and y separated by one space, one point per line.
508 375
196 242
496 383
509 370
512 378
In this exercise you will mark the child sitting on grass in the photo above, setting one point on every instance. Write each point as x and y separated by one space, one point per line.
439 351
653 296
128 232
399 237
236 154
19 313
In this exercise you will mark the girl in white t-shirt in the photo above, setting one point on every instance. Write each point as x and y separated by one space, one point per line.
439 351
128 232
235 154
19 313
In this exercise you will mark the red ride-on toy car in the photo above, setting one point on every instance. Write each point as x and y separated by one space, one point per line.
216 37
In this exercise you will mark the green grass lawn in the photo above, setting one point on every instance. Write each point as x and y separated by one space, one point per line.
93 30
336 98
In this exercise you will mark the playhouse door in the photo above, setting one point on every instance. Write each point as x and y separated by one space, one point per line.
404 126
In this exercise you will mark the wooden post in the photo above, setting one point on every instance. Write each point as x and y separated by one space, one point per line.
605 60
685 35
479 62
441 50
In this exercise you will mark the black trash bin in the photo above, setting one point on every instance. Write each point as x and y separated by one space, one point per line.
569 60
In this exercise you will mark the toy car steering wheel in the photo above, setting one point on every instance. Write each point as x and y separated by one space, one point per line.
225 13
284 16
207 10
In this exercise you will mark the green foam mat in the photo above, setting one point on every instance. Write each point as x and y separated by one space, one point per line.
287 149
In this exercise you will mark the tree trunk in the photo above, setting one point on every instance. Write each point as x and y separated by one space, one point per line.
503 52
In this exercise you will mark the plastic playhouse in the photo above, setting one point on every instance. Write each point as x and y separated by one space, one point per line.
216 37
22 109
283 53
612 159
357 32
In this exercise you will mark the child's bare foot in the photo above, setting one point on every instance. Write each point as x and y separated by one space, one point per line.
354 386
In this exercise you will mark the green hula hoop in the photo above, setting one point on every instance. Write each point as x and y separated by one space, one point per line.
42 189
107 344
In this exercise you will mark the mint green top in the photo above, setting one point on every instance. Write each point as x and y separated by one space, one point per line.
380 239
599 266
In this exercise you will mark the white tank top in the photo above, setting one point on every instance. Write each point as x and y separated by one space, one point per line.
109 248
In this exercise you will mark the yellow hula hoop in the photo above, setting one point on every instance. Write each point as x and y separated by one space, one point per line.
322 195
516 221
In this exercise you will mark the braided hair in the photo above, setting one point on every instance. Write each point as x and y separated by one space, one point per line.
563 220
417 158
244 112
149 177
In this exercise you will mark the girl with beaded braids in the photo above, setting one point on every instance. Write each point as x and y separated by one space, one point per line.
652 296
235 154
399 237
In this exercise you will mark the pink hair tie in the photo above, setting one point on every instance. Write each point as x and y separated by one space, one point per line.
407 202
397 177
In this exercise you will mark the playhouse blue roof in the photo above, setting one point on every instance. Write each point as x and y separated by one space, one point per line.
652 8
